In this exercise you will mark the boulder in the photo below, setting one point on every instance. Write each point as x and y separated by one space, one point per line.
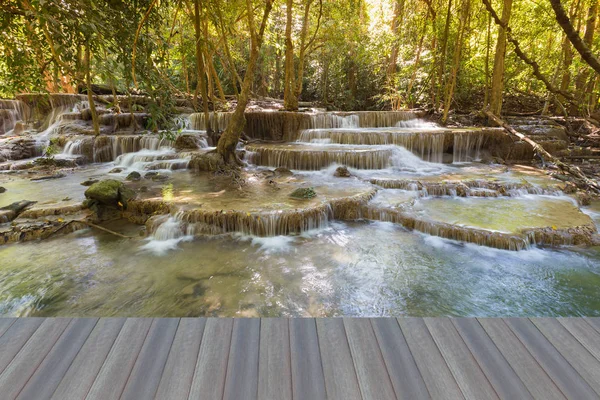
134 176
342 172
281 171
2 189
303 193
109 192
89 182
187 142
115 170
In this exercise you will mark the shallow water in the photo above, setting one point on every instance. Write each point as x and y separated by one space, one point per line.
360 269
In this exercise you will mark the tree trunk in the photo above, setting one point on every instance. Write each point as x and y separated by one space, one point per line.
588 39
90 94
456 59
290 101
231 136
442 66
396 23
573 36
498 71
200 69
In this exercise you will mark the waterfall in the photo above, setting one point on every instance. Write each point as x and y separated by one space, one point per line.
73 147
108 148
11 112
467 146
312 158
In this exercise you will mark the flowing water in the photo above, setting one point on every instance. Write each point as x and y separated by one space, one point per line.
419 228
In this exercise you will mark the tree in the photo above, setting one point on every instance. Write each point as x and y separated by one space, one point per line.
498 72
230 138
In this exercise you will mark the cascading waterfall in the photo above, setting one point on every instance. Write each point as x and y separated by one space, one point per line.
108 148
467 146
312 158
427 145
11 112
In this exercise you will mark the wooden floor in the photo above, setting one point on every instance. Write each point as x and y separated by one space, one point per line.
350 358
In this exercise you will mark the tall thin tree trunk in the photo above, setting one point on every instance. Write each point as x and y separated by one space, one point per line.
456 59
290 101
90 94
200 68
442 66
497 88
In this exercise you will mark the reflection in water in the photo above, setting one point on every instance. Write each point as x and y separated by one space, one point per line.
365 269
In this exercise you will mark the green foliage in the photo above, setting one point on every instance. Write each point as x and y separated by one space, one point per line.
346 62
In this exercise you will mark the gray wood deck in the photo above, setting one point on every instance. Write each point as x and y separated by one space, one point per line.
281 359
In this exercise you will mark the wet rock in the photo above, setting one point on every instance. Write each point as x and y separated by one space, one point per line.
13 210
55 162
206 162
462 190
303 193
89 182
143 189
109 192
160 178
584 199
115 170
48 177
281 171
2 189
342 172
150 174
186 142
134 176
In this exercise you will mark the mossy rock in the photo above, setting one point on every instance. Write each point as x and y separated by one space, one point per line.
342 172
303 193
210 162
110 192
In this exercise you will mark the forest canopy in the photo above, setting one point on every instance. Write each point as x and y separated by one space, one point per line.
344 55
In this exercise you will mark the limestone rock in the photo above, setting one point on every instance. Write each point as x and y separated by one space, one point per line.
134 176
281 171
303 193
89 182
109 192
186 142
342 172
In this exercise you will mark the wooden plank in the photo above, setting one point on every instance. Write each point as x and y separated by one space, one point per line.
403 371
373 378
469 376
83 370
584 332
434 370
115 371
15 338
23 366
566 378
242 368
524 364
211 367
341 381
176 380
571 349
51 371
6 323
147 371
500 374
274 366
308 381
594 322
